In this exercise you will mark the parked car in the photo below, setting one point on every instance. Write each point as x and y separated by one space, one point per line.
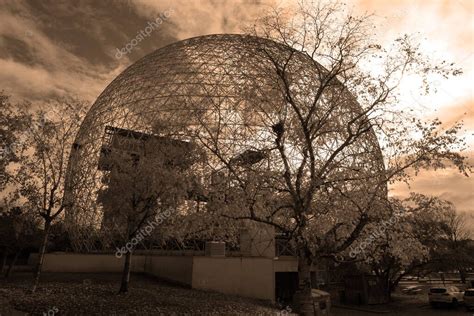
445 295
469 298
412 289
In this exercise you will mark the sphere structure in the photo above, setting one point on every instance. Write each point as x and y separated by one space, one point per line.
214 91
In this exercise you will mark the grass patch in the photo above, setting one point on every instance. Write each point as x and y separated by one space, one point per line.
96 294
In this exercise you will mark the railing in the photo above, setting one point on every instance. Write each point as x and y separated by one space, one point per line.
283 247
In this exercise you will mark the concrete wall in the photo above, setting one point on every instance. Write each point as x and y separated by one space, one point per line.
87 263
285 264
244 276
250 277
173 268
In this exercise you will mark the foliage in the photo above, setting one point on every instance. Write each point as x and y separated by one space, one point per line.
37 177
48 135
141 187
405 246
455 247
10 126
19 229
59 238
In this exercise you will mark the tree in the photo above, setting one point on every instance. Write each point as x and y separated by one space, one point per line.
10 149
148 181
457 239
313 168
18 231
11 146
47 137
59 239
402 243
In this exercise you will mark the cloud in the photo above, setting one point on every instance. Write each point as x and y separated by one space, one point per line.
194 18
35 83
448 184
456 112
52 48
55 48
441 183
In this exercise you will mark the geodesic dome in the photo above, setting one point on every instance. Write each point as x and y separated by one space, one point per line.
216 90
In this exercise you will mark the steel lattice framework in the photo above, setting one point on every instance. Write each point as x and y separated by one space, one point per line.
216 89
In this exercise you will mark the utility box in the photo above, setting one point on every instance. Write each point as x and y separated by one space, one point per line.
215 248
321 302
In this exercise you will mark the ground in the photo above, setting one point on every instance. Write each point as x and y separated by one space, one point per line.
414 308
94 294
404 305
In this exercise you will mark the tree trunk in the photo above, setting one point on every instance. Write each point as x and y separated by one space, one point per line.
303 300
384 283
4 260
388 286
12 264
462 275
42 250
391 288
126 273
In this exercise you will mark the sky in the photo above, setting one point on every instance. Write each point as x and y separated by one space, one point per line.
51 48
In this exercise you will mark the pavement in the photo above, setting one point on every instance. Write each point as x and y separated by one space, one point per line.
424 310
404 305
